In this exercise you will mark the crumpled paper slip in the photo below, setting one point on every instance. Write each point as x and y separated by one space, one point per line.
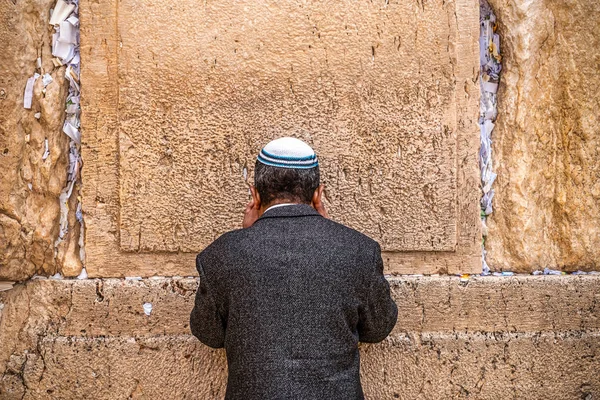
147 308
56 276
6 285
548 271
73 76
65 195
28 96
61 11
72 132
78 212
73 20
46 79
490 87
64 51
486 202
485 270
83 274
74 162
63 199
79 216
65 40
46 150
68 33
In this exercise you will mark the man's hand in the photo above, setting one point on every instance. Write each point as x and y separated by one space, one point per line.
252 211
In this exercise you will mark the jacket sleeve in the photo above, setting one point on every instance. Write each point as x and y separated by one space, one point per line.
378 312
206 323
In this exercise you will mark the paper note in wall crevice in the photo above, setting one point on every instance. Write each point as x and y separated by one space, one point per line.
62 10
72 132
73 20
46 150
76 58
28 96
490 87
6 285
67 33
46 79
64 51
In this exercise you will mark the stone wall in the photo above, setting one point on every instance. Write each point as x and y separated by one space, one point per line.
547 137
175 113
393 127
495 338
29 185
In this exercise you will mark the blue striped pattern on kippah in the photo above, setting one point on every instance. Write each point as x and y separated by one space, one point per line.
273 160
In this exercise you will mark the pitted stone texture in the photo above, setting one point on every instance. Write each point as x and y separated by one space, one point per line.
509 366
384 92
91 339
113 307
546 142
29 217
483 366
360 82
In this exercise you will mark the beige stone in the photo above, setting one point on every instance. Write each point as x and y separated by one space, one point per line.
494 338
29 217
174 112
546 142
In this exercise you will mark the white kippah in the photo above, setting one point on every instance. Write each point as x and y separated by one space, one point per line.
288 152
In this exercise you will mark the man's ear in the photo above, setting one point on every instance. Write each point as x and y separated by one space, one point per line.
255 197
317 201
317 195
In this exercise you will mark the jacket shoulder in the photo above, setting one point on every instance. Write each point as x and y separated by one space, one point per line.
352 235
214 252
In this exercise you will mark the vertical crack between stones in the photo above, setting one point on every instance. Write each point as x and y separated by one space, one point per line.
65 49
490 68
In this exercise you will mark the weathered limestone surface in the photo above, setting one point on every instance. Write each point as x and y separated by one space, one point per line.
496 338
175 113
547 137
30 186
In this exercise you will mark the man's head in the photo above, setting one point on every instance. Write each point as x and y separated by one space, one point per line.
276 184
286 171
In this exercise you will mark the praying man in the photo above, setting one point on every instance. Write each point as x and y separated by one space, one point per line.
291 294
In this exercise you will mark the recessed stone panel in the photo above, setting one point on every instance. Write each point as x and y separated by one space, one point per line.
384 92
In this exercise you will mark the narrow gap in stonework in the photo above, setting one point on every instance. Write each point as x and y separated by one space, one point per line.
65 50
490 63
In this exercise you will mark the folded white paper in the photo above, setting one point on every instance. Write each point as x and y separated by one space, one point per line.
72 132
28 96
62 10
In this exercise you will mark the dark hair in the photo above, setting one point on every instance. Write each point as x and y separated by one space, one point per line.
291 184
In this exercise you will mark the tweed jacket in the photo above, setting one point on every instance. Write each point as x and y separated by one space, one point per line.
290 298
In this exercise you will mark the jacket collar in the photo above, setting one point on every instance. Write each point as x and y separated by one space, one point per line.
293 210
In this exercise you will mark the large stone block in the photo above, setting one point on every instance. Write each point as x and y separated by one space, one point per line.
438 366
546 141
29 185
495 338
179 99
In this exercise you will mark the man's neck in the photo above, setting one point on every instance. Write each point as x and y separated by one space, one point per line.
277 203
